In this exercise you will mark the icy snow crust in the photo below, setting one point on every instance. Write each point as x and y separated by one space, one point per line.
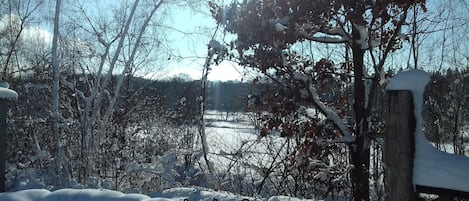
175 194
432 167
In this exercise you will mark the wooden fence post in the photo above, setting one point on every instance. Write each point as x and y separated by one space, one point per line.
399 146
5 95
3 137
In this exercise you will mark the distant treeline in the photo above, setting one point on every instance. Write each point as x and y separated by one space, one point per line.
228 96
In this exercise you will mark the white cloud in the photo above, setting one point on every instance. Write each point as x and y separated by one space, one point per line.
226 71
30 34
9 19
37 34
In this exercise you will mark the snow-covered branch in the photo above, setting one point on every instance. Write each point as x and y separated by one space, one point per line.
331 115
326 39
392 40
328 112
336 35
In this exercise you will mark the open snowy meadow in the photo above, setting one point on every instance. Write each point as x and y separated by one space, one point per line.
234 139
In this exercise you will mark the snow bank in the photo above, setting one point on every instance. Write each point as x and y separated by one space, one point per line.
432 167
73 195
197 194
284 198
175 194
6 93
25 195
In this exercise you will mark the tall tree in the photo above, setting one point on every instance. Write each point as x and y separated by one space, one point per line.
55 91
110 46
268 30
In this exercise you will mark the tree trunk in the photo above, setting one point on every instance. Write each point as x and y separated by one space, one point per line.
112 103
55 70
203 95
360 150
96 120
63 175
3 143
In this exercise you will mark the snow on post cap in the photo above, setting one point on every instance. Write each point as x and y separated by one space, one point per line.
6 93
413 80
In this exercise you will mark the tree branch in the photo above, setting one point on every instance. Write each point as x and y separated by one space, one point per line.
339 31
331 115
325 39
73 87
392 40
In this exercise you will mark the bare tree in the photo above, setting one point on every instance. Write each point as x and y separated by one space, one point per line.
111 48
61 164
15 21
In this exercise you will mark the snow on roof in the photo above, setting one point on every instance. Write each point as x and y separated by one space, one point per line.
432 167
6 93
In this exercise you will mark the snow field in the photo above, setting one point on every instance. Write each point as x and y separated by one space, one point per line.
251 164
234 146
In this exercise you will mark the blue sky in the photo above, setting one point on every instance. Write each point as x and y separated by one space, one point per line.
189 44
193 47
188 34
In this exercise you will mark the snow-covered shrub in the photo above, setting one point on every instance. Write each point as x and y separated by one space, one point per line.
140 134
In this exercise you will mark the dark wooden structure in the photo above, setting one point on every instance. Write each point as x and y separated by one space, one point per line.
399 149
5 96
399 145
3 145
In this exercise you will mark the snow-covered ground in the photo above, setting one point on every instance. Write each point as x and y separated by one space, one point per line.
231 140
175 194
